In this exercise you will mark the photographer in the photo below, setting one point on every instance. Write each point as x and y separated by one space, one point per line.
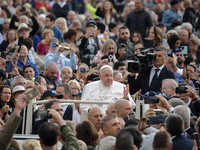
151 79
124 52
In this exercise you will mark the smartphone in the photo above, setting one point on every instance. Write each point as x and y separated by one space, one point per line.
74 71
3 55
31 94
159 112
131 116
110 57
53 44
37 80
151 100
9 66
122 48
43 114
11 54
20 40
184 51
156 120
94 65
23 9
164 42
181 89
196 138
82 70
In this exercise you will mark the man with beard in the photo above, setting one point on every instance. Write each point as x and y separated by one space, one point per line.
176 65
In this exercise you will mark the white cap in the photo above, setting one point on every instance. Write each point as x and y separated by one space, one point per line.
105 66
18 88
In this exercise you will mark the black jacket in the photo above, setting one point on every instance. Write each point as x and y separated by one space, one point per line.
52 82
61 11
88 49
190 16
139 21
142 81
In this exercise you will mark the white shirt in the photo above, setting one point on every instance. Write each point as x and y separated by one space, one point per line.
153 70
96 91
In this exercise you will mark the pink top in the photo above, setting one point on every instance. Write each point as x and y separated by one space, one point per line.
42 49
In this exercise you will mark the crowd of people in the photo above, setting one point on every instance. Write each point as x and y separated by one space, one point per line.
121 52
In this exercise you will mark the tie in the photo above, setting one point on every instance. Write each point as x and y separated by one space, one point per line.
154 80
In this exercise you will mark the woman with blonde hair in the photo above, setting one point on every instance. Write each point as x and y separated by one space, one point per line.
31 144
109 46
156 36
61 24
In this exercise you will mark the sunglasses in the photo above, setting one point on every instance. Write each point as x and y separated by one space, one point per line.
91 25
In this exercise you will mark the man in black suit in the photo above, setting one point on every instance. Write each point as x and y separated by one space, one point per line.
175 126
56 105
66 91
151 79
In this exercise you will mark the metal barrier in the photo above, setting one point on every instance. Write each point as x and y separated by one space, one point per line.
27 123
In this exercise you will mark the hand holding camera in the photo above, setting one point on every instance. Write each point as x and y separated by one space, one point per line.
56 117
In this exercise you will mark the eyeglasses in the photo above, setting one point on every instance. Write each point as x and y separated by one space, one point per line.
179 49
11 33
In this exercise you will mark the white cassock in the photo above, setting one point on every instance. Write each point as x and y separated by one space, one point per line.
96 91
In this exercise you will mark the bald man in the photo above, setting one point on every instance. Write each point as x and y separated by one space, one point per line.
123 108
95 116
104 90
111 109
49 75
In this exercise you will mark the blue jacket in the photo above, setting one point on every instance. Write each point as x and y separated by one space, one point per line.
21 65
169 16
180 79
65 61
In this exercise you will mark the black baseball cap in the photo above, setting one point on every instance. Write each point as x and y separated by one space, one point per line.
51 93
91 21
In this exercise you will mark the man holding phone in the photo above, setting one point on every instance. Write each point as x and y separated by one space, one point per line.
89 44
124 46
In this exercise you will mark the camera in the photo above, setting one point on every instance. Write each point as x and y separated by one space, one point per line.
144 63
43 114
110 57
151 100
181 89
122 48
156 120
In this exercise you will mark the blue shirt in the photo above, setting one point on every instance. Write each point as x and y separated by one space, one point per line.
169 16
57 33
21 65
180 79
